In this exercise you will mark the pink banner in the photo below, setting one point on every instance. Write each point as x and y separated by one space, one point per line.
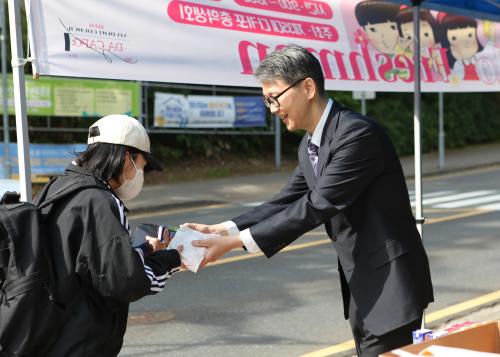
361 44
318 9
210 16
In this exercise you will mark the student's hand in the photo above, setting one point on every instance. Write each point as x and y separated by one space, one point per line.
217 247
156 244
219 229
166 236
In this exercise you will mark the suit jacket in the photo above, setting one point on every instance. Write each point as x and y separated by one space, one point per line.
360 195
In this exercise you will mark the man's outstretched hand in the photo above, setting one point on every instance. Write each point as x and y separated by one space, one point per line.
217 247
219 229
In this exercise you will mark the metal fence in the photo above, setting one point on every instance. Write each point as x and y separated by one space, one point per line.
146 117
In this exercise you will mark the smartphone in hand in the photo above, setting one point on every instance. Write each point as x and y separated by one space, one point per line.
152 230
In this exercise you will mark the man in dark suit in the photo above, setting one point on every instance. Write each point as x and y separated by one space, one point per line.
349 178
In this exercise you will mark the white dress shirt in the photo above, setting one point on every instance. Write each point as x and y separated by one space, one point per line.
245 235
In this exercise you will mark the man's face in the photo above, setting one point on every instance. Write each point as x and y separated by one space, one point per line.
463 42
292 104
383 36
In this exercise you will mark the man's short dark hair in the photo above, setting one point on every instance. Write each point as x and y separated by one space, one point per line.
290 64
105 160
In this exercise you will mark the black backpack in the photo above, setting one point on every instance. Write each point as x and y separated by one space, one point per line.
32 311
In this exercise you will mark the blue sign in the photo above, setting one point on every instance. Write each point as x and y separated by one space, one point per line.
46 159
250 112
202 111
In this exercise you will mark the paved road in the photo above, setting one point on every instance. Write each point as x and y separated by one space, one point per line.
290 305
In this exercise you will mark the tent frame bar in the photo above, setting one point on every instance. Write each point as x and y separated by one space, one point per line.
18 63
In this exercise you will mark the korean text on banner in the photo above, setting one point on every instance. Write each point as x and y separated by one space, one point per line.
221 42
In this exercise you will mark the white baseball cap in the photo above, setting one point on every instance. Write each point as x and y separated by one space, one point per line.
123 130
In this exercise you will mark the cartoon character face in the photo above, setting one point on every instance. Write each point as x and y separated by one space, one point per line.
383 36
427 39
463 42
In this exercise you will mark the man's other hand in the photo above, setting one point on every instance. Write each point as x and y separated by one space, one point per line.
217 247
219 229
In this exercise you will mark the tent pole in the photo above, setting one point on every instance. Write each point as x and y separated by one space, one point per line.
277 142
416 123
416 119
363 102
441 131
20 100
5 105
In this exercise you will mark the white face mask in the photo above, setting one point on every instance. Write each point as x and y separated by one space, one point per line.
130 189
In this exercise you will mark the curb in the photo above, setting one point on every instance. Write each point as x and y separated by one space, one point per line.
173 205
453 170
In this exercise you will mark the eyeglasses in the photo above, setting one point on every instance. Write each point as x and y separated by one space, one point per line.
270 100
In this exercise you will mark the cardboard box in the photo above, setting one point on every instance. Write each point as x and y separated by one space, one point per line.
482 337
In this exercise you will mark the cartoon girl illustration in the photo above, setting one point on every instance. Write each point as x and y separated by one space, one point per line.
378 20
429 38
460 37
428 30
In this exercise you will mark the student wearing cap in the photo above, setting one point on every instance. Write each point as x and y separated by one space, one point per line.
97 270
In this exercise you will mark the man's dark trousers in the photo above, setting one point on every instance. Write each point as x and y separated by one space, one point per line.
368 345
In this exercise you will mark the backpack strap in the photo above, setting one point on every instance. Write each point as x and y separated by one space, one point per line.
21 285
10 197
73 291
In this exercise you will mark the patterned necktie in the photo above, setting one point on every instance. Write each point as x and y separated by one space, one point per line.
312 150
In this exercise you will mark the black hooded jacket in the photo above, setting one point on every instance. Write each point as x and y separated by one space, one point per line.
95 264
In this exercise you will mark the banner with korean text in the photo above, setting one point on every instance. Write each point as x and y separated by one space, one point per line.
361 44
197 111
66 97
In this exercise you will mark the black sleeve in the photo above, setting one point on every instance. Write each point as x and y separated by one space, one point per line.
295 188
159 267
106 259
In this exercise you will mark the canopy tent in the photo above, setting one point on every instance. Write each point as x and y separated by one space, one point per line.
486 9
70 36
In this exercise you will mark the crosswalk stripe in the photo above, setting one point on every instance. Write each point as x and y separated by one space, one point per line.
456 197
432 194
492 207
469 202
438 193
444 199
252 204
